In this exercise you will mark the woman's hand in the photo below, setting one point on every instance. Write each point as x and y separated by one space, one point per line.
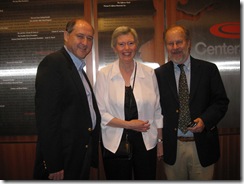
138 125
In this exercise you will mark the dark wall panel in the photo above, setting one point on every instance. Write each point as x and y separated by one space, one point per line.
29 30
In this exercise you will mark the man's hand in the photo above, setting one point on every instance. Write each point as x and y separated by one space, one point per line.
199 126
57 176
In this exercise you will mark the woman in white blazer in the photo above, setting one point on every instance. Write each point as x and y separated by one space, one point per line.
128 100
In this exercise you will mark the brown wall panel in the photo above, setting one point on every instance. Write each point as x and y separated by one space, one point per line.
228 167
18 155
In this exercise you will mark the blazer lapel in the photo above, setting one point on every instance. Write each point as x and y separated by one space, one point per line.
195 77
93 96
80 86
171 80
75 76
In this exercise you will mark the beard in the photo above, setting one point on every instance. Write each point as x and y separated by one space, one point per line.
178 57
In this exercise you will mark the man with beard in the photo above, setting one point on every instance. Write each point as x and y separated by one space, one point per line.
190 149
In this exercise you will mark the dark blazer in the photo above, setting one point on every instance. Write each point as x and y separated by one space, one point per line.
63 118
208 101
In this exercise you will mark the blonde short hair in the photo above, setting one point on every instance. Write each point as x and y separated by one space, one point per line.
123 30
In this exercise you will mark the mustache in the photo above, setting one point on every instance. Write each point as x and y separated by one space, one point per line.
176 51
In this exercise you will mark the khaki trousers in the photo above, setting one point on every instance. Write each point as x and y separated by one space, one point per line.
187 165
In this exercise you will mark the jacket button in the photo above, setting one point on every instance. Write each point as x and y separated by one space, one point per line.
89 129
177 111
44 164
86 146
175 129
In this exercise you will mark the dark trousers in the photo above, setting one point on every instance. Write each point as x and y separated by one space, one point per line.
142 165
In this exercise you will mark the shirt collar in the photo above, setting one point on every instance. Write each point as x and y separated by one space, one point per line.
116 70
78 63
186 63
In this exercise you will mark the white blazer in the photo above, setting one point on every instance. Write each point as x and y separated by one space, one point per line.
110 94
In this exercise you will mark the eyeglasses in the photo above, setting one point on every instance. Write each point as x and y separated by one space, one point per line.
177 43
123 44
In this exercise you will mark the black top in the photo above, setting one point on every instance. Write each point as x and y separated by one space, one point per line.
130 105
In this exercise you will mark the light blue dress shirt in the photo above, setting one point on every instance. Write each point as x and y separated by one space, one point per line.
187 69
80 64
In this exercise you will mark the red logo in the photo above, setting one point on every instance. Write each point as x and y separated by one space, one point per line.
226 30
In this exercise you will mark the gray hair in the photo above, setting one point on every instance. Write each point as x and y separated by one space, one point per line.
185 30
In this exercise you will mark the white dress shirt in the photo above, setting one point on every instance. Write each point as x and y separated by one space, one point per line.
110 94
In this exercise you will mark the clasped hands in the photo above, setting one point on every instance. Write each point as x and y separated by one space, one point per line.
139 125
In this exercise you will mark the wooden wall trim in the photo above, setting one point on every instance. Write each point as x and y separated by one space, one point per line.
18 139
